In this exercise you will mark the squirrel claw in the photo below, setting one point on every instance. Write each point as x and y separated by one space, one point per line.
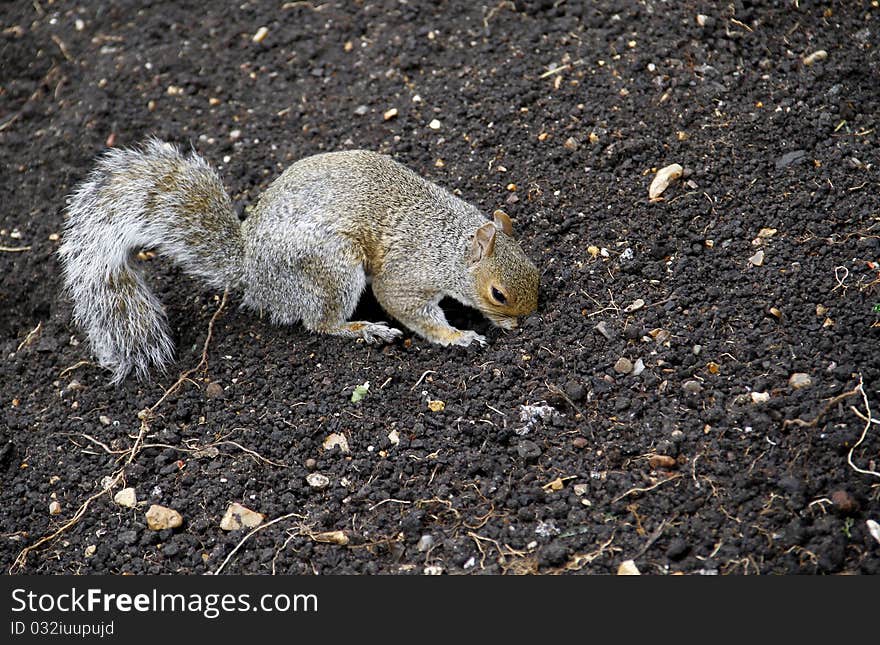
468 337
379 333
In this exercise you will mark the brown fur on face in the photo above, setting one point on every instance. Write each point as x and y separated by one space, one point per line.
505 280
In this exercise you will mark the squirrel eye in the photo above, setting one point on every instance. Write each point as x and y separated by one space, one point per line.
498 297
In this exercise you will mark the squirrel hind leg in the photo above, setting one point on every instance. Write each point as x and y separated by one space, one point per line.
332 313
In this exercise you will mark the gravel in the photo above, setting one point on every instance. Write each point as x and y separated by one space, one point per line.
765 141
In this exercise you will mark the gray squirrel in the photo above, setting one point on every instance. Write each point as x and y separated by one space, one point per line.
317 234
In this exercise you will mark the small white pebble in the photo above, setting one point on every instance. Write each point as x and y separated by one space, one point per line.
637 304
873 529
317 480
638 367
815 57
800 380
261 34
662 180
757 259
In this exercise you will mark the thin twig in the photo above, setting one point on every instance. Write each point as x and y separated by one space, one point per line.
421 378
246 537
831 402
555 70
580 560
504 551
14 249
840 281
645 490
496 410
554 389
30 336
103 445
385 501
197 448
290 537
493 11
3 126
67 370
62 47
250 452
864 433
655 535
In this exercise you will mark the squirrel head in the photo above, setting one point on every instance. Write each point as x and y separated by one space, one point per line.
505 280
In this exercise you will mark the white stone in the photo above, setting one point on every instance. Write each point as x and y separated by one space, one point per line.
336 440
637 304
162 517
662 180
317 480
874 529
261 34
425 543
623 365
126 497
757 259
800 380
239 517
638 367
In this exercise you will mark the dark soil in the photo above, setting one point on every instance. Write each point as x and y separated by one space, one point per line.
573 104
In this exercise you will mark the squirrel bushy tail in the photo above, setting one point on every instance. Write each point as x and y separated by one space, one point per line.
156 198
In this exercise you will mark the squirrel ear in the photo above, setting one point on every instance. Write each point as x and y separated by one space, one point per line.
483 244
502 222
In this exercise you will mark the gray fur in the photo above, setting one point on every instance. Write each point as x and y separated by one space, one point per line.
320 232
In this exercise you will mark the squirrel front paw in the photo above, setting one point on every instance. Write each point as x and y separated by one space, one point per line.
448 336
